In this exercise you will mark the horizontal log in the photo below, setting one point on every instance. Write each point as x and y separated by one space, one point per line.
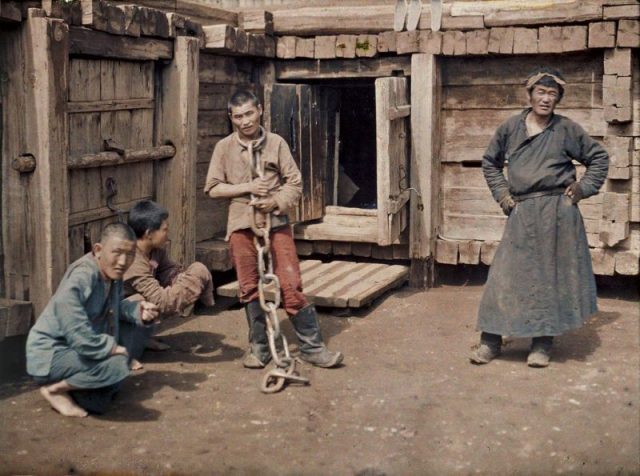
109 105
577 11
86 42
343 68
333 20
104 159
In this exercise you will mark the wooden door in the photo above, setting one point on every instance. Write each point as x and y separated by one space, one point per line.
304 115
392 143
109 100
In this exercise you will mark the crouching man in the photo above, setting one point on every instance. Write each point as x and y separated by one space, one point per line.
154 277
233 173
80 347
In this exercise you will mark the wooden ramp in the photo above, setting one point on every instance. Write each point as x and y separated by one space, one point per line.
340 283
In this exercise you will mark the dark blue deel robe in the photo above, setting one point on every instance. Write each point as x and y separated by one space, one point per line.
541 282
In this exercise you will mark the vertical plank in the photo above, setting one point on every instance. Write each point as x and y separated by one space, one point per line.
48 43
392 157
425 126
16 232
176 122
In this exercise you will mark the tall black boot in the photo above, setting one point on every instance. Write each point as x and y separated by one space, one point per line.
312 348
258 355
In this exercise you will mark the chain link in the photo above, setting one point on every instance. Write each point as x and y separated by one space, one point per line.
285 365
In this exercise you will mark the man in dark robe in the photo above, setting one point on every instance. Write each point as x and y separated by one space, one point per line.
541 283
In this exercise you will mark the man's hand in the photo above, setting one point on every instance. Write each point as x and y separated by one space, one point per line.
119 350
259 187
148 312
507 203
574 192
264 205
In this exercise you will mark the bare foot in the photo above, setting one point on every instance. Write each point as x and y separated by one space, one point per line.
136 365
63 403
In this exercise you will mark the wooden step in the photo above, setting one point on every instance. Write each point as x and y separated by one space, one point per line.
214 254
15 317
340 283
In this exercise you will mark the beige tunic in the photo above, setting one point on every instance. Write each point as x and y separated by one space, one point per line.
231 164
161 281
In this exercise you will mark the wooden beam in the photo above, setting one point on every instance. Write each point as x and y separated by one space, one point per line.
629 33
346 46
424 209
333 20
86 42
177 117
109 105
220 38
256 21
343 68
130 156
602 34
47 43
102 16
574 12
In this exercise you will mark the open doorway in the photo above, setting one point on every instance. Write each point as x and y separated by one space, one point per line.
355 184
350 141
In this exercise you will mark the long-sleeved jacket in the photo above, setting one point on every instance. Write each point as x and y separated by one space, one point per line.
152 278
542 162
230 164
83 315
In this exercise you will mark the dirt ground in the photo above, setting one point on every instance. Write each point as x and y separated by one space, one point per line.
406 401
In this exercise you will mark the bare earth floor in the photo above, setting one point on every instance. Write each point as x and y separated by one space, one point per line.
407 401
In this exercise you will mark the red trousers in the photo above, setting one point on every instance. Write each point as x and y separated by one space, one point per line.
285 265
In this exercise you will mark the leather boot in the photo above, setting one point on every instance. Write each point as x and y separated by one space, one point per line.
312 348
258 355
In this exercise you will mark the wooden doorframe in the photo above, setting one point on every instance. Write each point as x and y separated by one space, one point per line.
426 93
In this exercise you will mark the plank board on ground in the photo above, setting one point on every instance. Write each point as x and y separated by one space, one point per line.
340 283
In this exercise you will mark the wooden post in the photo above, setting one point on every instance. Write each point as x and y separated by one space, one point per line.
425 113
177 119
47 52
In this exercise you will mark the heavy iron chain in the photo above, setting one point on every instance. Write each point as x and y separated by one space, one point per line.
285 369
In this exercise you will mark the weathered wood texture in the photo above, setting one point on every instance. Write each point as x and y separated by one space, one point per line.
392 149
176 124
104 96
478 95
304 116
16 317
342 68
425 167
340 283
35 57
86 42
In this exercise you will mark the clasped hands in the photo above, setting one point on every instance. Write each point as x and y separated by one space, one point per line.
259 188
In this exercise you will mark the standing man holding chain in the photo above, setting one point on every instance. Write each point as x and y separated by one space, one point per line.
541 282
235 172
